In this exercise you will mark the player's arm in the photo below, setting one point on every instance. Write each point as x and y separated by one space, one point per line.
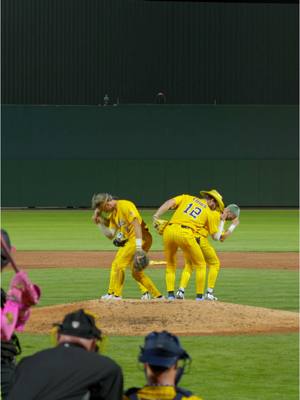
106 227
218 235
138 233
167 205
230 229
107 231
98 218
104 224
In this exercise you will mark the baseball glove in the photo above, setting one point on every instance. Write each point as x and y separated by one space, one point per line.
159 225
119 240
140 260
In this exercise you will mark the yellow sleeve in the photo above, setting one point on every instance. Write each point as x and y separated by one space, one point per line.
178 199
213 222
131 212
112 224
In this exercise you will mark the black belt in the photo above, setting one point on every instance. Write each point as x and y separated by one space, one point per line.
183 226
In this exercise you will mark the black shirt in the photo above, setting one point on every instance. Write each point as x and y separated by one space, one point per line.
68 372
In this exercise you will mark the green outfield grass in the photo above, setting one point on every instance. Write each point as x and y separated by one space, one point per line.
256 287
260 230
261 367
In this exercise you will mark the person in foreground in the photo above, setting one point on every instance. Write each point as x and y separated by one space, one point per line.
15 311
161 355
73 369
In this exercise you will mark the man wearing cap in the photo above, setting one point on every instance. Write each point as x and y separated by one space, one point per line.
15 311
191 215
161 355
231 213
71 370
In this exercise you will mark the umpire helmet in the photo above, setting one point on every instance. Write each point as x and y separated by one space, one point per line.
162 349
81 324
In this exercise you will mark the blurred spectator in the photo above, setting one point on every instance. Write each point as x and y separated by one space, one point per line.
161 356
71 370
15 311
160 98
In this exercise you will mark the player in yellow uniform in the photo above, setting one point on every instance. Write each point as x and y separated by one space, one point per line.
231 213
161 356
123 218
191 215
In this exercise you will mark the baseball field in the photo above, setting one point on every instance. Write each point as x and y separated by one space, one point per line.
245 346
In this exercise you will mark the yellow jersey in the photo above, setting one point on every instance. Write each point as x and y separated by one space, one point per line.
122 216
159 392
209 229
194 213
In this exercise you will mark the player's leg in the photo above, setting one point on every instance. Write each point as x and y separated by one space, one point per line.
110 291
147 242
140 276
213 263
170 238
193 253
111 286
146 282
122 260
184 279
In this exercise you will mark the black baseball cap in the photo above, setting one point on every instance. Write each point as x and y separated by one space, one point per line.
162 349
80 324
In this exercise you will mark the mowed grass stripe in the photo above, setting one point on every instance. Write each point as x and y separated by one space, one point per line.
256 287
231 367
260 230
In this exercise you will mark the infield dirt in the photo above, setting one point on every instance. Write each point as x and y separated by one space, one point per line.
98 259
182 317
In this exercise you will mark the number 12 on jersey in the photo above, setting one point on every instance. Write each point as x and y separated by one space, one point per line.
192 211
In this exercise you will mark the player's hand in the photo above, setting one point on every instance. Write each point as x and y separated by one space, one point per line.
236 221
224 215
95 217
98 219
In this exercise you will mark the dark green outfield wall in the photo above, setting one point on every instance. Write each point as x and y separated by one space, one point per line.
60 155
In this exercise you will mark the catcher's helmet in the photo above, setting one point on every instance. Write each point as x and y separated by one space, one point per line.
162 349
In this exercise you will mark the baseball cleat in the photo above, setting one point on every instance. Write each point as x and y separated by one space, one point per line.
180 295
171 297
146 296
116 297
198 298
106 296
210 296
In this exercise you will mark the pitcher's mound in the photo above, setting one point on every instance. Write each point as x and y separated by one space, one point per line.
187 317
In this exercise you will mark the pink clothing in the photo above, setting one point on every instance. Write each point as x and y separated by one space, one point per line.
21 296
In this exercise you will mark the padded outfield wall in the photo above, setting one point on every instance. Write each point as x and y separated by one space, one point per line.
60 155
